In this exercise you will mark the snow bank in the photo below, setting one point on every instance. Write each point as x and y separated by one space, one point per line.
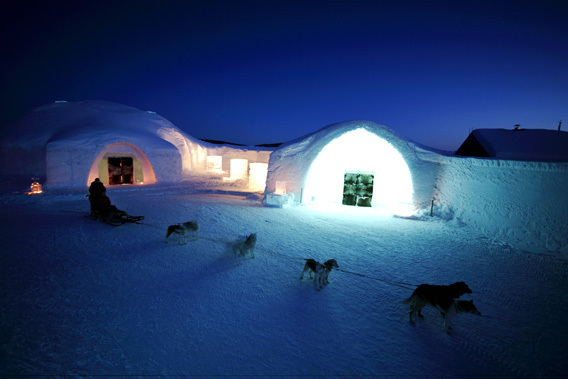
521 203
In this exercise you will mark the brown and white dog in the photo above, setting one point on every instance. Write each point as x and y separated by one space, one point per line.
321 271
245 247
182 231
443 298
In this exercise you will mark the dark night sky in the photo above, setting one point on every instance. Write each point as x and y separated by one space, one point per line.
270 71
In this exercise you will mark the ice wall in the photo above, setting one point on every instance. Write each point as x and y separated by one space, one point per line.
521 203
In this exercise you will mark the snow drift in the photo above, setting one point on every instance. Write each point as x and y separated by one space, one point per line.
521 203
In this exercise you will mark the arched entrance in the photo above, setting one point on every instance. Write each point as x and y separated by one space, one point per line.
360 169
122 163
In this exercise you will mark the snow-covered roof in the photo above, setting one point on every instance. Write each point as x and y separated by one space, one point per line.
521 144
88 123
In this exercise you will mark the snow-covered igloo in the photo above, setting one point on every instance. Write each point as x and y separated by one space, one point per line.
70 144
358 163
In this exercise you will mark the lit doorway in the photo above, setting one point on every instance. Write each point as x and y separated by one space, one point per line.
360 152
120 170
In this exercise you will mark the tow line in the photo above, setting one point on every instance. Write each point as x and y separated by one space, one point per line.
408 286
398 284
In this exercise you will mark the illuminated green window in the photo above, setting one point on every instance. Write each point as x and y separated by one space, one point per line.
358 189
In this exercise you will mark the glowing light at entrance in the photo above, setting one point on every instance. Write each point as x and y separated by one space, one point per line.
361 151
215 163
239 169
257 176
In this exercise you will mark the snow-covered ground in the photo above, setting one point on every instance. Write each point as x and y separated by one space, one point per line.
79 297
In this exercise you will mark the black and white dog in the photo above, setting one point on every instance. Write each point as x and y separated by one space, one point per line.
321 271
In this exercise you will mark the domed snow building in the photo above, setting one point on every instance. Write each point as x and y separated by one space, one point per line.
358 163
71 144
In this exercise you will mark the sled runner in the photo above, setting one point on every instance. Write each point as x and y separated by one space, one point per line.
117 220
103 210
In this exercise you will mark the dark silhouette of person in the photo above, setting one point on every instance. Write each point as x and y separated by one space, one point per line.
97 188
100 203
97 197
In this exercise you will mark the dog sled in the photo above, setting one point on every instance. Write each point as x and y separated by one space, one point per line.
103 210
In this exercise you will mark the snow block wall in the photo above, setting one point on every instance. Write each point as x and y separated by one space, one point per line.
227 152
67 166
521 203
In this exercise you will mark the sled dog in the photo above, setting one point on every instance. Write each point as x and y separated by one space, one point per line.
182 231
443 298
245 247
321 271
